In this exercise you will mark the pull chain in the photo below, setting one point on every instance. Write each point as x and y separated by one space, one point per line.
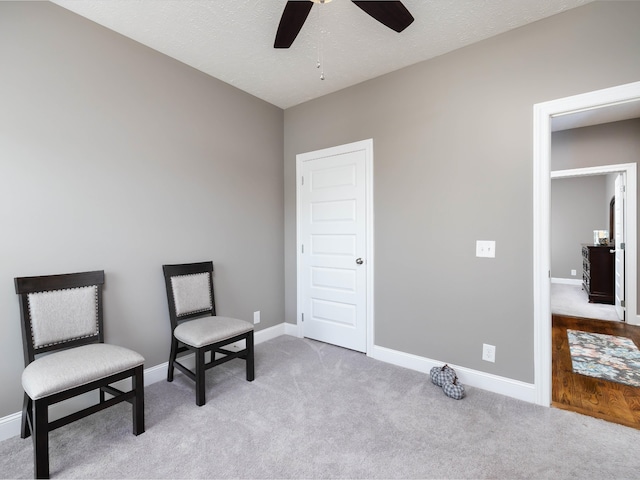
320 60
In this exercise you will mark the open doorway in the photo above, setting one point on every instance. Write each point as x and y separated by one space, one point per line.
587 250
612 101
580 202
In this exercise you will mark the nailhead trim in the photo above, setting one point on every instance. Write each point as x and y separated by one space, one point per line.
95 287
193 311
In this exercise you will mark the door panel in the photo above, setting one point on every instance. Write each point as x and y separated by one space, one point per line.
332 216
333 245
333 279
339 211
333 312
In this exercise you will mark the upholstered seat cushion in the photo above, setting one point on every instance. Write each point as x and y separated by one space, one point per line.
208 330
71 368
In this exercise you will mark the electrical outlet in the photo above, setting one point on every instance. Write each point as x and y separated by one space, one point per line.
488 352
573 273
486 248
256 317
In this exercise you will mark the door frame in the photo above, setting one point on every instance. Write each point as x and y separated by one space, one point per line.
367 146
620 219
542 116
630 221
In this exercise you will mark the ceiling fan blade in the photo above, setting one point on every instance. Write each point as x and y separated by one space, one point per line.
293 18
393 14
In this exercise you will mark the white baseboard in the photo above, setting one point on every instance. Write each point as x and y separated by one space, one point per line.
473 378
567 281
291 329
269 333
155 374
258 337
10 425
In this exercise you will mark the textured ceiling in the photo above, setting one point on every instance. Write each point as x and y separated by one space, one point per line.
232 40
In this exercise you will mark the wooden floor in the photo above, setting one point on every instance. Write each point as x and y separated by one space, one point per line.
611 401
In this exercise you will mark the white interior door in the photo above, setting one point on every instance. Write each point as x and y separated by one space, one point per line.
333 257
619 225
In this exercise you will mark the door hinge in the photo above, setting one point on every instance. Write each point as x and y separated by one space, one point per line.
302 181
302 248
623 303
622 246
303 317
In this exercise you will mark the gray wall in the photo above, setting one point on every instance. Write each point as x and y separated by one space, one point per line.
607 144
453 164
115 157
577 209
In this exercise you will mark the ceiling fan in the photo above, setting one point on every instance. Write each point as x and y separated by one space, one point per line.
393 14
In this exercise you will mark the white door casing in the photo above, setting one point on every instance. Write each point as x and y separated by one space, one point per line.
335 247
619 225
542 115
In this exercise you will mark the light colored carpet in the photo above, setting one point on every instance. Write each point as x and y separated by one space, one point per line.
572 300
319 411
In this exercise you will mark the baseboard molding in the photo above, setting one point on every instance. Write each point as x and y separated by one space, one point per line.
567 281
473 378
259 337
10 425
291 329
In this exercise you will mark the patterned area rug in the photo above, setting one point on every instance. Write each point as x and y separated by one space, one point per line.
609 357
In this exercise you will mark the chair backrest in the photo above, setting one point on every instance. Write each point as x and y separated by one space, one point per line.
189 291
60 311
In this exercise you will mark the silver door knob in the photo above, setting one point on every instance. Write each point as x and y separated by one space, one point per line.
359 261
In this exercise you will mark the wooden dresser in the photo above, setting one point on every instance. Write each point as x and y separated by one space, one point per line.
598 273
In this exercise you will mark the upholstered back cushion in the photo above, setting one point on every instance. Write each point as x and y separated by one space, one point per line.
63 315
192 293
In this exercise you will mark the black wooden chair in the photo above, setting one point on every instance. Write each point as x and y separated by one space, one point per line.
196 328
62 318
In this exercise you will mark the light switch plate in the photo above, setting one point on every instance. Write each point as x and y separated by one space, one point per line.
486 248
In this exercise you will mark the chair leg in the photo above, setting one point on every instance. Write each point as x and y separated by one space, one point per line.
41 439
200 371
172 358
137 384
251 375
27 420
